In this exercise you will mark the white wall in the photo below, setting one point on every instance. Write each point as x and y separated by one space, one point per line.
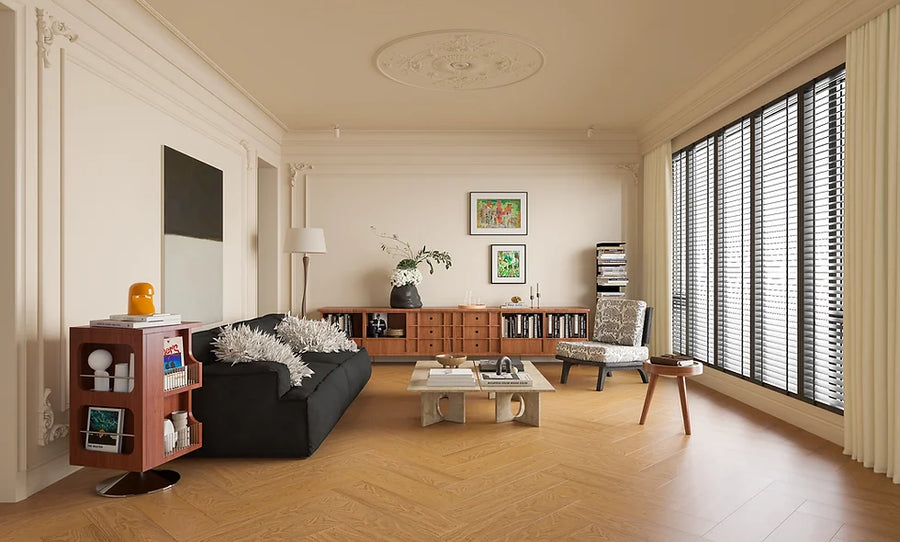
416 185
89 200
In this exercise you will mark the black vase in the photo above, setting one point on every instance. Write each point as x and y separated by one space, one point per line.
405 297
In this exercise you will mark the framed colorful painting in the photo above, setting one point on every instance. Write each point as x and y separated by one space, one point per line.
498 213
507 264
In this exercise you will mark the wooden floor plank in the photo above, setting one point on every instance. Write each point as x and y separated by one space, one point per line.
588 472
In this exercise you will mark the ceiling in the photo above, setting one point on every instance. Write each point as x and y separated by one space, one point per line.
607 63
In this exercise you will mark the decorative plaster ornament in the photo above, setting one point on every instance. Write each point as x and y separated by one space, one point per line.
459 60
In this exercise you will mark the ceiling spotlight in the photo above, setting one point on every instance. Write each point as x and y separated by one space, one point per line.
590 131
337 131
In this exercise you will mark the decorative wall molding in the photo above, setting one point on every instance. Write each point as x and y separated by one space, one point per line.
248 154
295 168
47 30
49 430
632 169
459 60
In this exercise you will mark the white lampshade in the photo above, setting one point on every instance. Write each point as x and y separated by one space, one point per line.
305 240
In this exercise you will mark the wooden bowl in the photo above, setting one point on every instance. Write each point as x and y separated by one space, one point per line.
450 360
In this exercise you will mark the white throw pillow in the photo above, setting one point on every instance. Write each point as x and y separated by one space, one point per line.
240 344
313 336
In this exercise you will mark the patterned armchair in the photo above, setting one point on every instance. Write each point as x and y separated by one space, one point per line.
621 333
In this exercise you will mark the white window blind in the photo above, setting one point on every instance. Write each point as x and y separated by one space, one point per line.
758 244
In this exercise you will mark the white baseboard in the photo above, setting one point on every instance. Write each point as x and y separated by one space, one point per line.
48 474
818 421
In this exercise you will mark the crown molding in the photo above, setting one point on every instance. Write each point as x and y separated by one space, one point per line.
511 137
135 29
809 26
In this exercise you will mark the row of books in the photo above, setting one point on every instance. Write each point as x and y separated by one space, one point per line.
522 326
619 295
612 281
566 326
612 271
520 378
343 321
137 321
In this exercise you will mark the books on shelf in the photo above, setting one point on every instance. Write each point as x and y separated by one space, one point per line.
162 317
175 379
674 360
506 379
104 429
451 377
612 281
129 324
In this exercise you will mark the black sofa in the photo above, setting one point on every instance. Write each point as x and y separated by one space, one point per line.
251 409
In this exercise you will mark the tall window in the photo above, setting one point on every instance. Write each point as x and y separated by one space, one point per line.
758 245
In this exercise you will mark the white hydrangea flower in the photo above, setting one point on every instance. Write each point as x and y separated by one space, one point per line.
402 277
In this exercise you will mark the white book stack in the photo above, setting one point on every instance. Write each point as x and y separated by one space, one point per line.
449 377
506 379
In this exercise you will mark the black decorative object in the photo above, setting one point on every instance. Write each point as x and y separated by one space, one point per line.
405 297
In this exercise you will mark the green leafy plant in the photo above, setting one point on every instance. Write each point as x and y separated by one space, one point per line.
409 258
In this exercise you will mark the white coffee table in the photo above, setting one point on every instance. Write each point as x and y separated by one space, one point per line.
529 397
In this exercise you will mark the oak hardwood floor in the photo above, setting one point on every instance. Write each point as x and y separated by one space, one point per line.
589 472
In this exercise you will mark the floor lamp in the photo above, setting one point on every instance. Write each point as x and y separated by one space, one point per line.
305 241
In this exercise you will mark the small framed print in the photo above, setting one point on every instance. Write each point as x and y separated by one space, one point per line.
507 264
498 213
104 429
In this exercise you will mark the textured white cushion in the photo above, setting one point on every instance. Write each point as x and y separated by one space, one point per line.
602 352
313 336
619 321
241 344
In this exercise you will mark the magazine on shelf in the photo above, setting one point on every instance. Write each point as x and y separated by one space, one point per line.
104 429
173 353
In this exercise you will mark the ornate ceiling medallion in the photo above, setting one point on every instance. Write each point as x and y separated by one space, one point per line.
459 60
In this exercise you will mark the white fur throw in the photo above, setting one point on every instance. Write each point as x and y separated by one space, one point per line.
313 336
242 344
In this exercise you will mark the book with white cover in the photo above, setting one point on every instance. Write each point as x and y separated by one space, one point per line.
506 379
129 325
156 317
450 371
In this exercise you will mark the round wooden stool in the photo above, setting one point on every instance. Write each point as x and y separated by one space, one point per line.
655 371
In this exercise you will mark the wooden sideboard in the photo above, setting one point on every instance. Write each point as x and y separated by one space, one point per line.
490 331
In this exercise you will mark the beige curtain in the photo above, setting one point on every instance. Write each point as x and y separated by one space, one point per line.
657 251
872 246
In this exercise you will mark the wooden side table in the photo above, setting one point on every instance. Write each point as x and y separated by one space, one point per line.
655 371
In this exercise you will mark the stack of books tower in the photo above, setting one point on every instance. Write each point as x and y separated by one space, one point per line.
449 377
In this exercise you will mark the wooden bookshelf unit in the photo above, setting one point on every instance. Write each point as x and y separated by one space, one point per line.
146 405
490 331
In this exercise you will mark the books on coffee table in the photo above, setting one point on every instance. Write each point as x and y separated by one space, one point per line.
506 379
451 377
672 359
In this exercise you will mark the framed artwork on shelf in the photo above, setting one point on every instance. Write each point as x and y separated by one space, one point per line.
507 264
104 429
498 213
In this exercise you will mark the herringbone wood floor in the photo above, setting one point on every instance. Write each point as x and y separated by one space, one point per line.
589 472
